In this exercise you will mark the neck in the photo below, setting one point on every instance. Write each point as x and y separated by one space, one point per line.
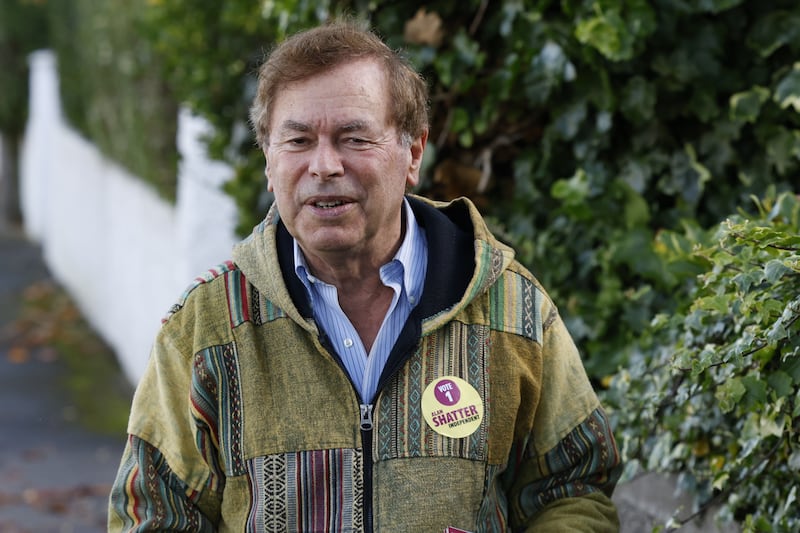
349 271
356 270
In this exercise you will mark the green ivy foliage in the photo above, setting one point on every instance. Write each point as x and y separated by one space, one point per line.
714 392
581 128
23 29
622 119
112 87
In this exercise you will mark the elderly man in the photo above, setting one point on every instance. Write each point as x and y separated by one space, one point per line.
369 360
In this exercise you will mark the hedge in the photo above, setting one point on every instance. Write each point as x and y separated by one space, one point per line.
112 86
581 128
714 392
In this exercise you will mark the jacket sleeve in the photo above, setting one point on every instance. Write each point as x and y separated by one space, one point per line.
568 467
148 496
169 477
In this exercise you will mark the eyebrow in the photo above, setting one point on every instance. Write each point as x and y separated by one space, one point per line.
292 125
302 127
356 125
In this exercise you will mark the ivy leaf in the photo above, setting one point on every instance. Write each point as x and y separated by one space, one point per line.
746 280
548 69
794 461
796 412
764 237
756 392
720 480
787 209
720 303
781 383
769 426
729 393
469 51
636 210
773 31
569 121
607 33
511 10
783 146
460 120
775 270
787 93
641 17
638 100
746 106
572 191
792 367
789 315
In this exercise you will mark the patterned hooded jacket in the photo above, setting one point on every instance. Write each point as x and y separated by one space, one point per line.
245 419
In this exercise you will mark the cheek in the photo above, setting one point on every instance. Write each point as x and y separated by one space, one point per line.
267 166
276 176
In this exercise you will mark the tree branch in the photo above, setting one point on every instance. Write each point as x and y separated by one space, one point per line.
478 17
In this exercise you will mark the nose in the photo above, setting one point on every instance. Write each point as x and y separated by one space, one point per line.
326 161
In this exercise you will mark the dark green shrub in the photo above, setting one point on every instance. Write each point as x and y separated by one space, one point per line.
714 393
112 88
23 29
581 128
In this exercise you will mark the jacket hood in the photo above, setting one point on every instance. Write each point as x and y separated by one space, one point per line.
457 237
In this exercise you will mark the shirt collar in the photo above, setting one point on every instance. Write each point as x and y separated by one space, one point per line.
413 270
413 255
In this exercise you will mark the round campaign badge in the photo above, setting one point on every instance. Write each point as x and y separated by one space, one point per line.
452 407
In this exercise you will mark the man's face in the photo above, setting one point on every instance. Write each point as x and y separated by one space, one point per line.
337 165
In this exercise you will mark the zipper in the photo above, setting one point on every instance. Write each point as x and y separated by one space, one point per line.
366 422
366 425
366 417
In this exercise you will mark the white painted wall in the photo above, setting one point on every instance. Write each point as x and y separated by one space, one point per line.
123 253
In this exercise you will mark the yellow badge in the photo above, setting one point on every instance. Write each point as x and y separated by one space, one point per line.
452 407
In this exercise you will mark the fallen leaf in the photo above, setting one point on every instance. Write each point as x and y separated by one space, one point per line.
18 354
8 498
424 28
32 497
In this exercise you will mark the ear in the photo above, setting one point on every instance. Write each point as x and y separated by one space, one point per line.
266 171
417 150
270 188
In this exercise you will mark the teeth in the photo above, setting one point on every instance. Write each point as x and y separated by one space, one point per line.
326 205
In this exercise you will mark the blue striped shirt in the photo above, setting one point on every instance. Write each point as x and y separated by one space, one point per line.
404 274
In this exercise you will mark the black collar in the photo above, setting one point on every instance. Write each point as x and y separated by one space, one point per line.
451 258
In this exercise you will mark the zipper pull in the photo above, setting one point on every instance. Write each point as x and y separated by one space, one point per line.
366 417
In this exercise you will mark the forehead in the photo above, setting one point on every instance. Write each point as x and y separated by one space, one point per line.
354 90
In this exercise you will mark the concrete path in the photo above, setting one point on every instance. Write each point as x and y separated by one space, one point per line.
55 474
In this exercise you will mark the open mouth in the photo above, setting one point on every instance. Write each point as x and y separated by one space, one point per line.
328 204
